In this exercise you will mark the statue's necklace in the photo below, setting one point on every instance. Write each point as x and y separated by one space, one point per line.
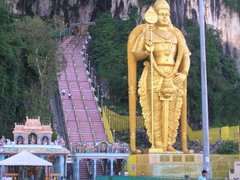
164 34
167 37
167 45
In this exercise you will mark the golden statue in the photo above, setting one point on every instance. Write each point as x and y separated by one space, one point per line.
162 86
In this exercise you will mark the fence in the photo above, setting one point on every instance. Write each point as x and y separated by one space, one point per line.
135 178
118 122
143 178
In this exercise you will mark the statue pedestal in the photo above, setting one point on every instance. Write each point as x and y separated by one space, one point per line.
165 165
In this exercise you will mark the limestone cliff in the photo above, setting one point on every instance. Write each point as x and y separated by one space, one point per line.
217 14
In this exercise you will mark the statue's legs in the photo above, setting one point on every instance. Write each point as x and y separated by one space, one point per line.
166 118
173 121
165 115
158 139
157 113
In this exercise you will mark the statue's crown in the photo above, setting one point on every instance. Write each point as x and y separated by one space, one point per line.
161 4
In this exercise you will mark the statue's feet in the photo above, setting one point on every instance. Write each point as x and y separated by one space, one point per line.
158 144
188 151
155 150
136 151
171 149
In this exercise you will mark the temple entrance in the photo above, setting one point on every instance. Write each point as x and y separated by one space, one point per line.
45 140
32 139
20 140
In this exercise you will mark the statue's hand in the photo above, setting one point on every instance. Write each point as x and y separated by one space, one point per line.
179 78
149 46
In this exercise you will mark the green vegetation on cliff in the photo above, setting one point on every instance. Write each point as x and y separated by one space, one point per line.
108 53
233 5
38 50
10 73
222 76
144 2
27 69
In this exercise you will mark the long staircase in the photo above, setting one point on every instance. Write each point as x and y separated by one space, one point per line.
83 169
81 113
99 168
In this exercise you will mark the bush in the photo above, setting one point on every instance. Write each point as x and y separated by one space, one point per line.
228 147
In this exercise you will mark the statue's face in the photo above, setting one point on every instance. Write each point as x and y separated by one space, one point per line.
163 17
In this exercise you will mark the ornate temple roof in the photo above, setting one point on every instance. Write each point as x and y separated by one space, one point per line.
32 124
41 134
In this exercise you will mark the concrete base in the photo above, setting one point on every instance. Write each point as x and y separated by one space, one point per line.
165 165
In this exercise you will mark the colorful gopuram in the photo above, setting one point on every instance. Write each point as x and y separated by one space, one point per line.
35 138
32 132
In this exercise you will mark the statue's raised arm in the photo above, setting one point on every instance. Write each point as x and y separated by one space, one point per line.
162 87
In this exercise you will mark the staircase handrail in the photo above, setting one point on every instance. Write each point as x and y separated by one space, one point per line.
94 102
107 126
65 131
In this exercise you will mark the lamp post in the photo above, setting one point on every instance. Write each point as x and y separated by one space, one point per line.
86 56
98 92
114 135
101 101
205 122
91 73
109 120
89 64
95 81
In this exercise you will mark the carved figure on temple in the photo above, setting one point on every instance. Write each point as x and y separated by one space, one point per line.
45 140
162 86
20 140
3 140
33 139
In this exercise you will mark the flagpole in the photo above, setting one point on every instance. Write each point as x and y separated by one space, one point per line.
205 121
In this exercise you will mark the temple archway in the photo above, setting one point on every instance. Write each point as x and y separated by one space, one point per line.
32 138
20 140
45 140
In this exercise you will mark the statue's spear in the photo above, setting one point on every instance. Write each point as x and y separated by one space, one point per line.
151 18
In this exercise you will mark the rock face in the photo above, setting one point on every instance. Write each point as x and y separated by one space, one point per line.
217 15
121 7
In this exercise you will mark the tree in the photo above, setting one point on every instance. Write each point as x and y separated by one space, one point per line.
29 62
233 5
39 53
228 147
10 74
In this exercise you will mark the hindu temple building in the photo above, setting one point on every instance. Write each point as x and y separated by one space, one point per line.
32 132
88 149
33 141
35 138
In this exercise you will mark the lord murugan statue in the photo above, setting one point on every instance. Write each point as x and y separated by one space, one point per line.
162 87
